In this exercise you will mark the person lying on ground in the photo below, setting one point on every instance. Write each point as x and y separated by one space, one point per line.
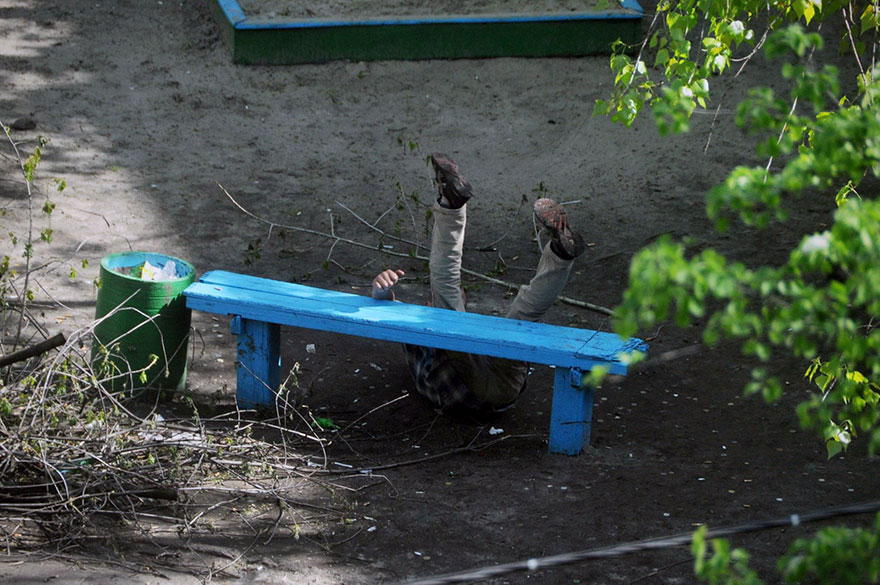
478 385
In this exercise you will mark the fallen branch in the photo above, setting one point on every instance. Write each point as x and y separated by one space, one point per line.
333 236
34 350
470 447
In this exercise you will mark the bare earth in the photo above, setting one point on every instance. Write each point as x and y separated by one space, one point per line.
146 115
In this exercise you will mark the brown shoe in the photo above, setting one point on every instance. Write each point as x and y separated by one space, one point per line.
565 243
451 186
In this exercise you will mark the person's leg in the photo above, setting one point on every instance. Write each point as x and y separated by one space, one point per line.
554 267
447 238
471 383
435 376
535 298
502 381
447 244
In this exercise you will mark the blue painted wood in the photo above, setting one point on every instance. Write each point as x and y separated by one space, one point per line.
303 306
571 415
232 11
260 306
259 361
632 10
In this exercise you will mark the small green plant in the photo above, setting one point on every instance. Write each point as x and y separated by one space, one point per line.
326 423
723 566
834 555
411 145
254 251
25 243
541 190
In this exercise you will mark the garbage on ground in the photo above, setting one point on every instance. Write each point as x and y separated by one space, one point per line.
147 271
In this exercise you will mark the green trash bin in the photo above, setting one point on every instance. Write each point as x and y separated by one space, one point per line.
142 336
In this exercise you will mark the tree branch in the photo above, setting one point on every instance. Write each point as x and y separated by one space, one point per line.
415 256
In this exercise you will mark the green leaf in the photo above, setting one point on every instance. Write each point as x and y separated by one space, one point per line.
833 448
857 377
596 375
30 165
772 390
326 423
5 407
662 58
869 18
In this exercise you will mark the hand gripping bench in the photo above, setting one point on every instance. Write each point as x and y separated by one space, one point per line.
260 306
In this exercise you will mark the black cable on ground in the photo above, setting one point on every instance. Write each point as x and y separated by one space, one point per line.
641 545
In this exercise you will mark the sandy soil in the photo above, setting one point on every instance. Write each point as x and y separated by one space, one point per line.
146 114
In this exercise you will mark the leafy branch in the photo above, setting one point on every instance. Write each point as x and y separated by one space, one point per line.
820 305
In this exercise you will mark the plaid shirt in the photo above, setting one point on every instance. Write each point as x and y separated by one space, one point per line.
437 380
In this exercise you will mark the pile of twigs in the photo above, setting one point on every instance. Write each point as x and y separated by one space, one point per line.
75 453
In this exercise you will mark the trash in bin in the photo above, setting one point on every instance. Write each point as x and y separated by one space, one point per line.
167 272
147 271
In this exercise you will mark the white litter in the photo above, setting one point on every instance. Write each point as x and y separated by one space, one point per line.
167 272
816 243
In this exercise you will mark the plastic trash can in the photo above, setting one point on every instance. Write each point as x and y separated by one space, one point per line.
142 336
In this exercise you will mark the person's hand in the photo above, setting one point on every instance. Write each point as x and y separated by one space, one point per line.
384 282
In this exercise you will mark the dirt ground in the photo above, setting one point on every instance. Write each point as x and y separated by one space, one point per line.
146 115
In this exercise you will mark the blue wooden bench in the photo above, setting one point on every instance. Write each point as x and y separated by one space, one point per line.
260 306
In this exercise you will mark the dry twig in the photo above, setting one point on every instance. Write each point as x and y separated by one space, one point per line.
413 256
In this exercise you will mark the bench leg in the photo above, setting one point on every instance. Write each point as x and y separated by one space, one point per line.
572 413
259 361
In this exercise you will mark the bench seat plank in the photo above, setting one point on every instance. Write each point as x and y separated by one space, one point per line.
298 305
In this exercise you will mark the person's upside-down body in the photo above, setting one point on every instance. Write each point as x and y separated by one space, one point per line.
480 385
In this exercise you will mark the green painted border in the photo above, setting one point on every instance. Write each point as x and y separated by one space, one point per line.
316 41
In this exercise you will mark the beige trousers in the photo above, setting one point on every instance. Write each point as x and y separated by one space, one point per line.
496 381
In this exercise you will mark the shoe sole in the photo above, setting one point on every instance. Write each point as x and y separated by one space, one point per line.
553 217
453 186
